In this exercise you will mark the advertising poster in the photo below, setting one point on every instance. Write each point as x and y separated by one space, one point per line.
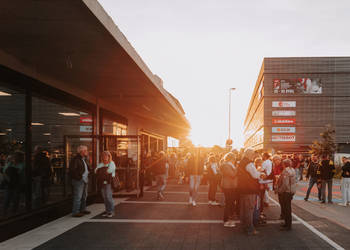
283 130
284 104
283 113
283 138
283 121
297 86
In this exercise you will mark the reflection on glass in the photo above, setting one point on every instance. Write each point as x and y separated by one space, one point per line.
12 140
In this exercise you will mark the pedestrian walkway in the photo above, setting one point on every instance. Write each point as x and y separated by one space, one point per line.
147 223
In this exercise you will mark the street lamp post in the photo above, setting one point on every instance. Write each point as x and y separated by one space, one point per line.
229 114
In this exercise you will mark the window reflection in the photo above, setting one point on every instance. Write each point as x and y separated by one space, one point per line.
12 140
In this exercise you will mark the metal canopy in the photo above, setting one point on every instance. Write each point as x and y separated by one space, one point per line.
76 42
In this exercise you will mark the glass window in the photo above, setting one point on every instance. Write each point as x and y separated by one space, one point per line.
51 122
12 156
111 127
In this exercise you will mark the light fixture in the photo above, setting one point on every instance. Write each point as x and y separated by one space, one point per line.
9 129
2 93
46 133
68 114
37 124
2 133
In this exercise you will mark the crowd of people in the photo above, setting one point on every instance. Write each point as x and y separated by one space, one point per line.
246 178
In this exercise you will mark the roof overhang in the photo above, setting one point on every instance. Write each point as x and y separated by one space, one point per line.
75 43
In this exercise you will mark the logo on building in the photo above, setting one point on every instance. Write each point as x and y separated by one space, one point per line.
283 138
283 129
283 121
284 104
283 113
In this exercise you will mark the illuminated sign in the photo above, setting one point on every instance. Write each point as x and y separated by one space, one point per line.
283 113
297 86
86 119
283 138
283 129
87 129
283 121
284 104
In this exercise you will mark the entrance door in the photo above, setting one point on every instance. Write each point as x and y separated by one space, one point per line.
126 154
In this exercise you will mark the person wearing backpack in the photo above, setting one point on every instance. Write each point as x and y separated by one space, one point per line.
229 185
286 186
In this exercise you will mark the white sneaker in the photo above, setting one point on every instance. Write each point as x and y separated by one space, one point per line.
215 203
342 204
190 201
210 203
194 203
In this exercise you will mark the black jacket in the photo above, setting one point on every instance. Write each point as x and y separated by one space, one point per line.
77 168
326 170
246 183
346 170
312 170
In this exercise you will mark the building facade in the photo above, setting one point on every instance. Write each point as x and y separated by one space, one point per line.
69 77
294 99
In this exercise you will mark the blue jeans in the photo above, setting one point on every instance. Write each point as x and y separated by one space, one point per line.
161 183
80 189
195 181
247 204
312 182
107 195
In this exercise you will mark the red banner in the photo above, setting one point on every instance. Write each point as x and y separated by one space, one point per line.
86 119
283 121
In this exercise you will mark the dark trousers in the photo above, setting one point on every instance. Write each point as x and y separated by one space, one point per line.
280 202
312 182
261 197
286 206
142 181
213 186
229 203
329 184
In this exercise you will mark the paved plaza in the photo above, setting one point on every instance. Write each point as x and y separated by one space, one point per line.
147 223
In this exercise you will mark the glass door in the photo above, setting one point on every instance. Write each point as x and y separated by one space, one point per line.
126 153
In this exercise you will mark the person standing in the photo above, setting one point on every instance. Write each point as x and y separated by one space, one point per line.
287 188
248 188
160 172
79 171
214 177
312 175
229 185
105 172
345 183
195 170
326 173
277 170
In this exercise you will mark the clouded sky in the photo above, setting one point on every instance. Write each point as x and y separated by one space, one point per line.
201 48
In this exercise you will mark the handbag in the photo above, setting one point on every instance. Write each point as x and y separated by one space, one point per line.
115 183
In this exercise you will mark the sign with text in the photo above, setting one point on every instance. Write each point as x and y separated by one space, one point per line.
86 119
283 113
283 138
297 86
284 104
283 129
283 121
86 129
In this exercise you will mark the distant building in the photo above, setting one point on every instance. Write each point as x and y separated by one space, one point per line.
293 100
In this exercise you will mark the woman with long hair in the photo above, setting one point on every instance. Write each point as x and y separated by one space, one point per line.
105 172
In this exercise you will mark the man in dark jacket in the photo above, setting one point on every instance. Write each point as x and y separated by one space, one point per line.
248 188
312 174
326 173
159 170
345 183
79 172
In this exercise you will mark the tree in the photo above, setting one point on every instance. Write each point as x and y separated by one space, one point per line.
326 145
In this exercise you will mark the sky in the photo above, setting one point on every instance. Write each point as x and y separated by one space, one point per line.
202 48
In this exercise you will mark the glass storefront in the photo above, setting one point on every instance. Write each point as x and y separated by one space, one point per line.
12 149
38 126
